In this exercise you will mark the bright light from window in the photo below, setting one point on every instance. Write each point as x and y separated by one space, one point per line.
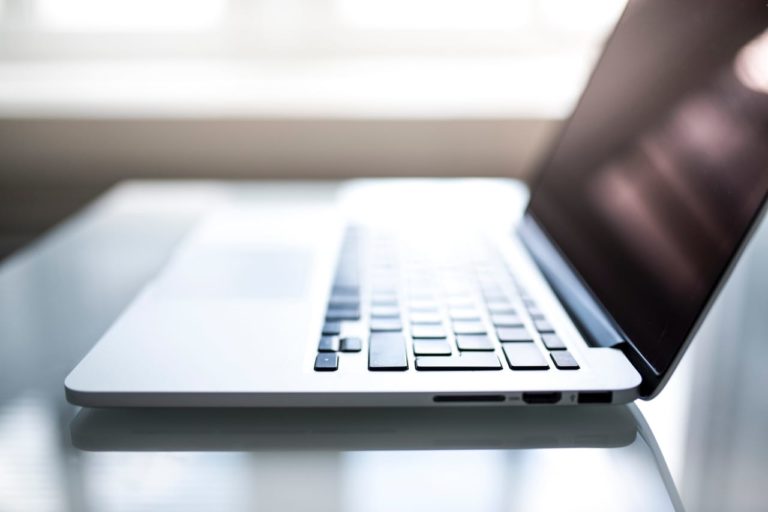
581 15
435 14
130 15
752 64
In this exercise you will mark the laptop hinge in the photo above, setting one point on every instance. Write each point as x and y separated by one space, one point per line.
588 315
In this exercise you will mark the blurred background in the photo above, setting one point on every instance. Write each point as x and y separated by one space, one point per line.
97 91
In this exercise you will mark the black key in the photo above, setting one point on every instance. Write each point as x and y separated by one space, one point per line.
524 356
464 314
543 325
502 308
501 320
467 361
564 360
552 341
513 334
346 290
334 314
468 328
343 301
327 362
427 331
426 318
331 328
328 344
387 351
431 348
385 311
351 344
386 324
474 342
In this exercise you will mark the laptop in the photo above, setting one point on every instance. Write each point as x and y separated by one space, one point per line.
434 293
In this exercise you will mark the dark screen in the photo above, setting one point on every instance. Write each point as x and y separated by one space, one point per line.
663 166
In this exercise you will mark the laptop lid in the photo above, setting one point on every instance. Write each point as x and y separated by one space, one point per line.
662 170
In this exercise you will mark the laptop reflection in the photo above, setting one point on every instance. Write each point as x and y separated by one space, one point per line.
353 429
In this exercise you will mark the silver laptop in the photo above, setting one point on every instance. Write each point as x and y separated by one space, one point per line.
435 293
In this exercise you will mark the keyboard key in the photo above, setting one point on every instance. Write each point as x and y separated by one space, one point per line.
513 334
468 328
543 325
386 324
564 360
342 301
431 347
331 328
502 308
384 300
346 290
474 342
384 288
464 314
535 313
426 306
328 344
351 344
500 320
524 356
385 311
467 361
426 318
427 331
494 296
327 362
387 351
334 314
552 341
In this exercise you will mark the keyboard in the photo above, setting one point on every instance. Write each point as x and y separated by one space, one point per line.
450 300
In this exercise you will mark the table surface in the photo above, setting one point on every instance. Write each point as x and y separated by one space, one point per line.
701 445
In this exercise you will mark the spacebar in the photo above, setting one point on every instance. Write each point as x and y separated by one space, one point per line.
473 361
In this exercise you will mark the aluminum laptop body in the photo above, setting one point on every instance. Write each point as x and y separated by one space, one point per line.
445 292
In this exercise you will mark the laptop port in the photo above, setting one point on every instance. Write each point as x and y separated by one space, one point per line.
468 398
542 397
596 397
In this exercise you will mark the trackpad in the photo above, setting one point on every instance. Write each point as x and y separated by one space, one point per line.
228 273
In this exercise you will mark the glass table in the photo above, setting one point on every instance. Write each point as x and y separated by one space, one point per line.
701 445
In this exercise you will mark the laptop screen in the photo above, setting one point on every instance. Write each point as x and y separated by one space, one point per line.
663 167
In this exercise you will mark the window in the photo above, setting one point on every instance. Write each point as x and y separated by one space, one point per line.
450 57
242 27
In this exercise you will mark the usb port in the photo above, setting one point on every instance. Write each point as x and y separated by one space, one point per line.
596 397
